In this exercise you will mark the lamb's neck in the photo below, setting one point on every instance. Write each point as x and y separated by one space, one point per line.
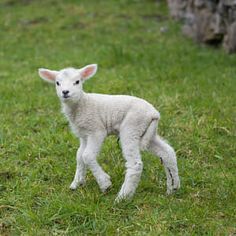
73 109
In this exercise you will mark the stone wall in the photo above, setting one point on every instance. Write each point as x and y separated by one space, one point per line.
207 21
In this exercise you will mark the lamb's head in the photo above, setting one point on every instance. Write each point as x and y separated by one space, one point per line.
68 81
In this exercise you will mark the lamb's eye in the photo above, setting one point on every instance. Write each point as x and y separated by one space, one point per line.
57 83
76 82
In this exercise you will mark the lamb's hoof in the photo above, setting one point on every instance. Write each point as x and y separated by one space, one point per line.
74 185
107 190
172 189
169 191
123 198
106 185
119 199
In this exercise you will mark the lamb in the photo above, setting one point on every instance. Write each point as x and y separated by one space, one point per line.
92 117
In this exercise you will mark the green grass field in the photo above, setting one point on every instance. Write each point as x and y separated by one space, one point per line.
193 87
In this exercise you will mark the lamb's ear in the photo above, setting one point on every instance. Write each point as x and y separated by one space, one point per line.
88 71
48 75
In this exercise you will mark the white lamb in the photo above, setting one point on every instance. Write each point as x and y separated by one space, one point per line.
92 117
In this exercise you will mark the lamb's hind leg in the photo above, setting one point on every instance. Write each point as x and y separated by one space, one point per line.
134 165
167 154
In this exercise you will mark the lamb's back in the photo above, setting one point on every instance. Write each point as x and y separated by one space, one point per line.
119 106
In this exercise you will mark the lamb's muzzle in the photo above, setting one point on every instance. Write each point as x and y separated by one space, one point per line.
93 117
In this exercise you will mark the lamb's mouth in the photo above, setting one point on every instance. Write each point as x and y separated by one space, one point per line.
65 96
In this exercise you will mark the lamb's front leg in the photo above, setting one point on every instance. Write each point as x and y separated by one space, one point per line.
80 166
91 151
134 166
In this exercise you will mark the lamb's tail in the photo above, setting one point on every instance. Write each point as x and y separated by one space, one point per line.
149 134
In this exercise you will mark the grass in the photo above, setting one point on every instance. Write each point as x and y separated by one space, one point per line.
194 88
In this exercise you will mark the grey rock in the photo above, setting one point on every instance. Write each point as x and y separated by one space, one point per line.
207 21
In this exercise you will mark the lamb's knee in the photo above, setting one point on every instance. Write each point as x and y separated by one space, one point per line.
79 159
170 154
163 149
135 168
88 159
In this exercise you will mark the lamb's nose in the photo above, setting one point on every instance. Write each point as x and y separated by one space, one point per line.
65 92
